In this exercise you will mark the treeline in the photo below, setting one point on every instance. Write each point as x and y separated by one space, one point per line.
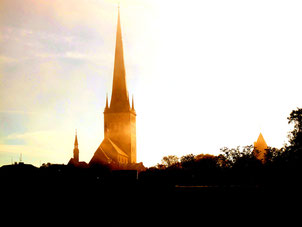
236 166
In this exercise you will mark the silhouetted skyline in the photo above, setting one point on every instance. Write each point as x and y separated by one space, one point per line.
205 75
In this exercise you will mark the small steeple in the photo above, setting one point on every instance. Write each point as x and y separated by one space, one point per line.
260 148
261 141
76 149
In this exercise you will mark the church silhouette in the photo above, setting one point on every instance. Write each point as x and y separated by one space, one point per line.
118 148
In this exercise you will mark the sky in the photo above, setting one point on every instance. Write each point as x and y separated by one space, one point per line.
204 74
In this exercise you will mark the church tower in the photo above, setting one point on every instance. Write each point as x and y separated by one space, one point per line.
119 144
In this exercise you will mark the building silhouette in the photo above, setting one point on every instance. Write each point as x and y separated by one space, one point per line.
75 161
260 148
118 147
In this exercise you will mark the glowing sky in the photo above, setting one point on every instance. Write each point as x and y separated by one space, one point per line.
204 74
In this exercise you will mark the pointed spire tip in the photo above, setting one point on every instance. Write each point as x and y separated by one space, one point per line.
119 98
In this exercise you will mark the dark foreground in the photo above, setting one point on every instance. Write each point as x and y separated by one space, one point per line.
73 196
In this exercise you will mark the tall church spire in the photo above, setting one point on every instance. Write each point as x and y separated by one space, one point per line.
119 98
119 144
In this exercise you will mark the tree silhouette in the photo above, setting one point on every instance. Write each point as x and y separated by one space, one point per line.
292 155
240 157
206 161
170 160
272 155
187 161
295 137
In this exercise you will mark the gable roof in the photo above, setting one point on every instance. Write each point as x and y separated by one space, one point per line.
100 157
111 149
116 148
107 152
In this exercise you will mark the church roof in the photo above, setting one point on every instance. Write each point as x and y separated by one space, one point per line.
106 152
100 157
260 141
73 162
109 146
260 148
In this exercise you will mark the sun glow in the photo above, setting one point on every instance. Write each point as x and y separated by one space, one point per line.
204 74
